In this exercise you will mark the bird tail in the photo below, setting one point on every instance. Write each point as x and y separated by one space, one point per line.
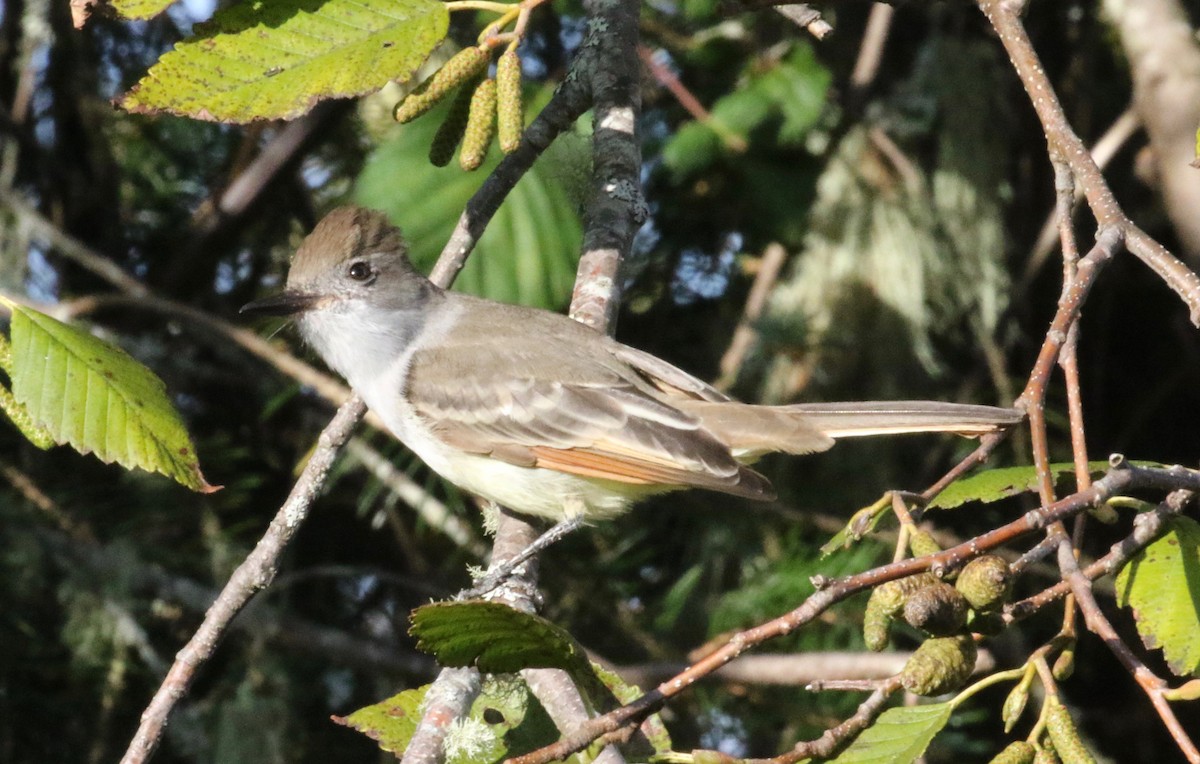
751 431
847 420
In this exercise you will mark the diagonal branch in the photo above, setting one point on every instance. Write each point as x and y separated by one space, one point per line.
617 724
1064 144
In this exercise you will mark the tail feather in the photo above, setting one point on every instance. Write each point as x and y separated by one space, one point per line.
751 431
844 420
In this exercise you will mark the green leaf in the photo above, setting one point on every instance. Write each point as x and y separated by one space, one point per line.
1162 585
792 93
529 251
505 720
495 638
140 9
96 398
652 727
997 484
898 736
275 59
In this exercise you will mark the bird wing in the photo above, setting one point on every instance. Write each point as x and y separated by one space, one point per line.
584 414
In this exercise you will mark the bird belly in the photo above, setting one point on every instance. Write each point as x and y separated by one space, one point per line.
538 491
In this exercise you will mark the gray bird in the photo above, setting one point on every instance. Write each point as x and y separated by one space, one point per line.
538 412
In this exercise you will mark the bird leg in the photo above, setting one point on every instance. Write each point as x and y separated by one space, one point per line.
498 574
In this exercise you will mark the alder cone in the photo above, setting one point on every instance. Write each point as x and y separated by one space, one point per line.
939 665
937 609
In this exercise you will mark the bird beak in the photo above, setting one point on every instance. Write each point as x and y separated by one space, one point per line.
285 303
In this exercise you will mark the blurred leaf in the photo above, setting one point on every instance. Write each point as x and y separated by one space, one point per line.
275 59
898 736
997 484
676 598
777 586
528 253
495 638
1162 585
793 90
693 147
140 9
798 86
98 399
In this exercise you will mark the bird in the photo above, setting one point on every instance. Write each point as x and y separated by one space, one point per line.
538 412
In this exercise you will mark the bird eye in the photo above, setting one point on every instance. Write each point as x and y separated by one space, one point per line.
359 271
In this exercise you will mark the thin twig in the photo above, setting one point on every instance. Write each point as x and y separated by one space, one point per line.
870 51
1147 527
734 142
769 268
254 574
834 737
1105 148
1004 17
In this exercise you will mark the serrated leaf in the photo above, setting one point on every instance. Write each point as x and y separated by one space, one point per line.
1162 585
997 484
495 638
898 736
98 399
529 251
140 9
275 59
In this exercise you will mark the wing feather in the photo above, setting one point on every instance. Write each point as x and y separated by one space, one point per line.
600 425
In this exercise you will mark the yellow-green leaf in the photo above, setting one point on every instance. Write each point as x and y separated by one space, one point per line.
505 720
140 9
898 736
1162 585
99 400
275 59
993 485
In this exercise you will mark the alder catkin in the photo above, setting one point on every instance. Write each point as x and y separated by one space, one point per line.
481 125
877 626
921 543
463 66
450 132
1018 752
510 115
1014 704
1067 743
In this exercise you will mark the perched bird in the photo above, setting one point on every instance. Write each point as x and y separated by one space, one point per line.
538 412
